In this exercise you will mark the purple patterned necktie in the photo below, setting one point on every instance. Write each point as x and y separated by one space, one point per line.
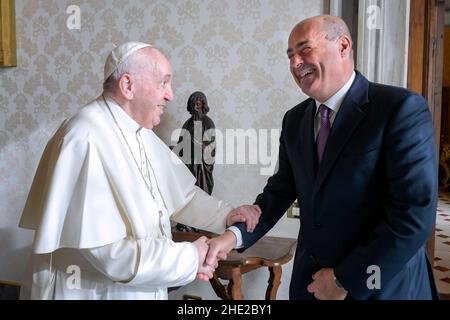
324 130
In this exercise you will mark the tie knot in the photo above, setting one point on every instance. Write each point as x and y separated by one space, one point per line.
324 111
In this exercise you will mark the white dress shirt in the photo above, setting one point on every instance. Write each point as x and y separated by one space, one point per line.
334 104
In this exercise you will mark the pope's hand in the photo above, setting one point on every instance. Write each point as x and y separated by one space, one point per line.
204 271
247 213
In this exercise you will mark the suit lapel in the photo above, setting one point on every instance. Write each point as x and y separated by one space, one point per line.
306 143
347 119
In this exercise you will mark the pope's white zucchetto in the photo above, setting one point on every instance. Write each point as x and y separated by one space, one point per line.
119 55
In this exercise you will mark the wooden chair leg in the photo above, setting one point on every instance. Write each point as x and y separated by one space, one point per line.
219 288
274 282
234 286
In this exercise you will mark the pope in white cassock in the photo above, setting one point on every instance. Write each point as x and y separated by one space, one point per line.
105 189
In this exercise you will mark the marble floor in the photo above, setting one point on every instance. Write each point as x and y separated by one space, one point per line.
442 245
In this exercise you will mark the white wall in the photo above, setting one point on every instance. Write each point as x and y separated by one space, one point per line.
234 51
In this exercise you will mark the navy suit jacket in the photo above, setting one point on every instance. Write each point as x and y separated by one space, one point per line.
371 201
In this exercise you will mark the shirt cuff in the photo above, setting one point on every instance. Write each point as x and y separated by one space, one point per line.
238 234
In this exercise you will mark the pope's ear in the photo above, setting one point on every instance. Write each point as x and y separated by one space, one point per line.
126 86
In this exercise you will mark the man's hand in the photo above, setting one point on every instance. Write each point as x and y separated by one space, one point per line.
220 246
324 286
204 271
247 213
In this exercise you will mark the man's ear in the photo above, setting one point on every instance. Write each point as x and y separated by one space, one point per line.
126 83
345 46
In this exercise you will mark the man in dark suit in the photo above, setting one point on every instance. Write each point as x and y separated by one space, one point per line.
361 159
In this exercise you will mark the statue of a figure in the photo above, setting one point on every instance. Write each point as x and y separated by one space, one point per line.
199 158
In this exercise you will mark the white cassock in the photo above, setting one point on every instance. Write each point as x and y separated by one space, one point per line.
100 205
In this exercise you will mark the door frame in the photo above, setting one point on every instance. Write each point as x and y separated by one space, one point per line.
426 64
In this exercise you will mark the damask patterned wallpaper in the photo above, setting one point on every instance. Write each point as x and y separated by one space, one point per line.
233 51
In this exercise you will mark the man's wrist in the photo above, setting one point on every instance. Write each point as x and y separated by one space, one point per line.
238 237
228 241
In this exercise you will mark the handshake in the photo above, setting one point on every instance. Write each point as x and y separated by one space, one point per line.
211 251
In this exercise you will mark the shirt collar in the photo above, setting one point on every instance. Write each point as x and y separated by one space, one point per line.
334 103
124 121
